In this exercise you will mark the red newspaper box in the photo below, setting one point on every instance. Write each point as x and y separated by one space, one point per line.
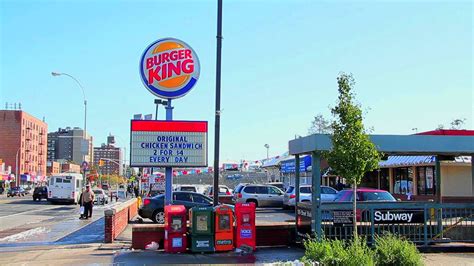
175 229
224 225
245 233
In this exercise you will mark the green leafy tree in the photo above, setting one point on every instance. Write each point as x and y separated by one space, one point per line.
352 154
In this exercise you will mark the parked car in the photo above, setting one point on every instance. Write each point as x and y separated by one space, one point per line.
16 191
223 191
327 194
153 208
101 197
234 176
364 195
261 195
225 194
189 188
27 190
40 193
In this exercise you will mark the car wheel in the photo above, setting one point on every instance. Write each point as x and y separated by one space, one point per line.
254 201
159 217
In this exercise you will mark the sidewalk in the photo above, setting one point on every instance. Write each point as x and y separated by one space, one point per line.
120 253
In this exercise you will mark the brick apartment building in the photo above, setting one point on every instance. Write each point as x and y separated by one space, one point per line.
24 136
69 144
112 157
53 168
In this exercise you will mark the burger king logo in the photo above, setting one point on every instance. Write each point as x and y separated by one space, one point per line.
169 68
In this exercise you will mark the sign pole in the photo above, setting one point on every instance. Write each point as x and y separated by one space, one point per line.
218 103
168 170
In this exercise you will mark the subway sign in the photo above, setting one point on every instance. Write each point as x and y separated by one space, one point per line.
155 143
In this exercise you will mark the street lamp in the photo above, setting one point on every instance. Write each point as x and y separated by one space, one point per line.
158 102
55 74
17 181
268 147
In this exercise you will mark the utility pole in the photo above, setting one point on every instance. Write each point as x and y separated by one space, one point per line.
218 103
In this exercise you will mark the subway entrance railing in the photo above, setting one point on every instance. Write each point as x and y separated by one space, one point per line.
421 222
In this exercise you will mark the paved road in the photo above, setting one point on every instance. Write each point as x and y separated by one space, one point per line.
25 222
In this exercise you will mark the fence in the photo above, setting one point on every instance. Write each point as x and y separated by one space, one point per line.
420 222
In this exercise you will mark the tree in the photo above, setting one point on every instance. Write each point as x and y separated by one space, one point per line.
458 123
320 125
352 153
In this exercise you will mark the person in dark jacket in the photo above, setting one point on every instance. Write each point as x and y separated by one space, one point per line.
81 205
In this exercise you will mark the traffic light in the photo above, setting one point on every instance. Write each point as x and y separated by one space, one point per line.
101 162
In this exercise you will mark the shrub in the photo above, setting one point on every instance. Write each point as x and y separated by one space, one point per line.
336 252
393 250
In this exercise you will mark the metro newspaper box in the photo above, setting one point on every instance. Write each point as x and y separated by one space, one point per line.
224 225
202 229
245 233
175 229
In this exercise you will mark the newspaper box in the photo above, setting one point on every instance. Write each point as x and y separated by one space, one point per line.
175 229
202 229
245 233
224 226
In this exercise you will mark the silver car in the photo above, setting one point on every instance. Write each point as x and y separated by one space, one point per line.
101 197
261 195
327 194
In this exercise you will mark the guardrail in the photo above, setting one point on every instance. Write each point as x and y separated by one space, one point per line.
420 222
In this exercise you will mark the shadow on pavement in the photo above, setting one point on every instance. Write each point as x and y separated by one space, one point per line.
92 233
28 201
262 255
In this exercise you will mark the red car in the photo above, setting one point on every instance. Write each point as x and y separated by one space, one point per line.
364 195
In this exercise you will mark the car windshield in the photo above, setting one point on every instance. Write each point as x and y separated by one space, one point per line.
341 196
305 190
191 189
238 189
377 196
290 189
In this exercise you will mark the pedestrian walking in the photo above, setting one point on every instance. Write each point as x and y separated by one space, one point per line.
82 208
135 189
87 200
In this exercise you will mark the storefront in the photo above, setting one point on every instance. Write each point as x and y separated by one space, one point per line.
287 171
414 177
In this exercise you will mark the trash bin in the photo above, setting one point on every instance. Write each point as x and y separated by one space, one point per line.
202 229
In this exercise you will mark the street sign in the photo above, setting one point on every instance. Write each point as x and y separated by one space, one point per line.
85 166
168 143
169 68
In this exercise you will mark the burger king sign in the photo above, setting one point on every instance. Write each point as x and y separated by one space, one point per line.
169 68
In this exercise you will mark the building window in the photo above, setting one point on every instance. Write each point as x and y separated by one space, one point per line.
426 180
384 179
403 182
370 180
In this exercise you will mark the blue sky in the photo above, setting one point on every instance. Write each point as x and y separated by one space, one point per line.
412 63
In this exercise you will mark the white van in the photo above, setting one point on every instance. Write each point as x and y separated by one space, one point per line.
65 187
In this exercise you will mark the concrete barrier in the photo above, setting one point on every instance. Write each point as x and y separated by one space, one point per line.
117 218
